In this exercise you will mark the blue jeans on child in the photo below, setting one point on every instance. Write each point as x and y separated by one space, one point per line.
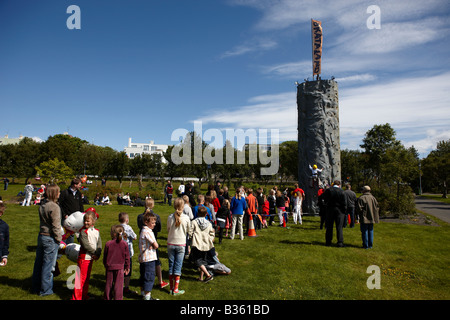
46 254
176 256
367 234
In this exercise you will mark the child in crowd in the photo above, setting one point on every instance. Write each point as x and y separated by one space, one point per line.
147 255
90 250
265 211
187 208
215 202
202 235
280 203
178 225
210 206
149 205
223 218
272 206
130 236
116 259
4 237
297 206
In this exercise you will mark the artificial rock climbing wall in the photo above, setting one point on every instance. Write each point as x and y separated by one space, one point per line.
318 137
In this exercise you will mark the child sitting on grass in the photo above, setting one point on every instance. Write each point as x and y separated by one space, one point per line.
202 236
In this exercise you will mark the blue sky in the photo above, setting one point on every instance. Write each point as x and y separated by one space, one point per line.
143 69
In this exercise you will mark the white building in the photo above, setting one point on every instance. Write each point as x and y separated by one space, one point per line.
7 140
136 149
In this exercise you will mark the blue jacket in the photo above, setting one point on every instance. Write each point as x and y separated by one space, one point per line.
238 205
208 215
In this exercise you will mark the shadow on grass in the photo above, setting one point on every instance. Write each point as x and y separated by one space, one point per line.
317 243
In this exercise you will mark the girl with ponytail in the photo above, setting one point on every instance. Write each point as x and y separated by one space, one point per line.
178 225
116 260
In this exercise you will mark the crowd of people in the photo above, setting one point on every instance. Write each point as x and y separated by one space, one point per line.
191 229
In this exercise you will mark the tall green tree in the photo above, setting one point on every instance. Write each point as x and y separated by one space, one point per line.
376 142
119 166
436 168
66 148
95 159
288 151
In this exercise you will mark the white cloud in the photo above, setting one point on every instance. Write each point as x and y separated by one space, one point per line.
37 139
414 107
250 46
429 140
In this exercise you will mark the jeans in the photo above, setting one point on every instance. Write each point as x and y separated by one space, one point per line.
367 234
175 255
46 254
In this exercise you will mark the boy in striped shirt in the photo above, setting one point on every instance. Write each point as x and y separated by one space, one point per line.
147 255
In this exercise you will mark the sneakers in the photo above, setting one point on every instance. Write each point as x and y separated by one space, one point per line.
177 293
163 284
149 297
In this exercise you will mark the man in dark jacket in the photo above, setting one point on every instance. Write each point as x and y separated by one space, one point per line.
70 201
336 203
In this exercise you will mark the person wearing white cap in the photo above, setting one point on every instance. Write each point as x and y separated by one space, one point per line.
367 209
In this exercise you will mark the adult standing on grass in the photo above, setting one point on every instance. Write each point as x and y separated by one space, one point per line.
70 201
238 206
49 238
6 182
351 201
336 203
368 211
168 192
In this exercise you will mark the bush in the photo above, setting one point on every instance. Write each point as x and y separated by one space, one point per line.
391 203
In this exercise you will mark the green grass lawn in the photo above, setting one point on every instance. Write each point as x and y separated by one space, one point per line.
278 264
437 197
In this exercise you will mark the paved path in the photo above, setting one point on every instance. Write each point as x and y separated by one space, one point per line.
433 207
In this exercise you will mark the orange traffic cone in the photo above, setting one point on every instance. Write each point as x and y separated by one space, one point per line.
251 227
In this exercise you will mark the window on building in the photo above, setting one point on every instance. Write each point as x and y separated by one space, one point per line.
153 148
131 155
145 148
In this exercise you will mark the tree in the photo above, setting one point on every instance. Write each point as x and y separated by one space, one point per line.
289 159
436 168
375 144
95 159
54 171
119 166
25 158
171 169
66 148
